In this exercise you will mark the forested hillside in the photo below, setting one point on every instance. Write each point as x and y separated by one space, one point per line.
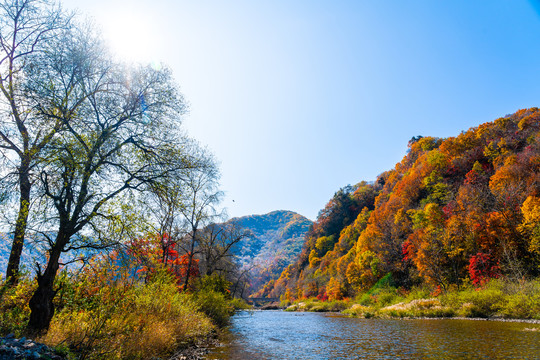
275 242
453 211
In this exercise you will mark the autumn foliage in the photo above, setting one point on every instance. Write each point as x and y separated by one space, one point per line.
453 211
157 252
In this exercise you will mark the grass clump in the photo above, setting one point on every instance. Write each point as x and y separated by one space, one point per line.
417 308
358 310
316 305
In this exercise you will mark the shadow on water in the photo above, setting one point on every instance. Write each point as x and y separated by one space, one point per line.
288 335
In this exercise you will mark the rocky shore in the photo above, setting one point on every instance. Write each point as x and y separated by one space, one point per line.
199 349
12 348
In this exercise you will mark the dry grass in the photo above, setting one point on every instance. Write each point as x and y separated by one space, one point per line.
139 321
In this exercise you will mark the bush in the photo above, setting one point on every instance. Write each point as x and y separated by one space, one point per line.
521 306
498 297
240 304
14 310
105 312
418 293
215 305
214 283
382 293
387 296
475 303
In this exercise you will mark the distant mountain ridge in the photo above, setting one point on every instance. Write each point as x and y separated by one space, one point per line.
276 242
34 251
28 256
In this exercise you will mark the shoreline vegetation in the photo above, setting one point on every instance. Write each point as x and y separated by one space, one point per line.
497 299
111 315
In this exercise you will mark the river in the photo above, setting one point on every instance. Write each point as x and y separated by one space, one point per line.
302 335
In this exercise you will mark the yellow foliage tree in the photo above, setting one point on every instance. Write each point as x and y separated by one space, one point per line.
333 290
530 227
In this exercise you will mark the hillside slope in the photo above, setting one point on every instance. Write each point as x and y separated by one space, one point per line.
276 242
453 211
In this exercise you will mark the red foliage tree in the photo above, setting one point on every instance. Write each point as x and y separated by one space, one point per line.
154 252
483 267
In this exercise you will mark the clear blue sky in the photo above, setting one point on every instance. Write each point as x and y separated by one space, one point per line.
299 98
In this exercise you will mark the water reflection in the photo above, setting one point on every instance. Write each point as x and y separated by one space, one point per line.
283 335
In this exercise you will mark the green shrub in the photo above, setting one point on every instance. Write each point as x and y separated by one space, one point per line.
388 296
366 299
381 294
337 305
418 293
214 283
292 308
521 306
285 303
215 305
240 304
475 303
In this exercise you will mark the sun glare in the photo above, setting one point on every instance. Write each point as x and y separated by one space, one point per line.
131 37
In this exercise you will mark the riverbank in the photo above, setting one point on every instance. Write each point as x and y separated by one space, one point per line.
99 317
199 349
23 348
496 300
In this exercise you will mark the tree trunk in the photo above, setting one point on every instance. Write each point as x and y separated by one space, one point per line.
242 293
12 272
41 303
190 262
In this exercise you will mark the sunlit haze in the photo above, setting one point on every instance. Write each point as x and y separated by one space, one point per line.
131 35
299 98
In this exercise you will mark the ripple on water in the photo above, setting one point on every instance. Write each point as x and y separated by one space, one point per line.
284 335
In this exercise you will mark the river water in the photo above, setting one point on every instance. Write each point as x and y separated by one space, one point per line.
297 335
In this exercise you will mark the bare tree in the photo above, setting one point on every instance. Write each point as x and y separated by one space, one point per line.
162 209
27 28
198 208
216 244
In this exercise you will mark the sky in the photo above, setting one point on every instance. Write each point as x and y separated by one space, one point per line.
297 99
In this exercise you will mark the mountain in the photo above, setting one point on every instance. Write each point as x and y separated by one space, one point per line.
34 251
454 211
276 241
